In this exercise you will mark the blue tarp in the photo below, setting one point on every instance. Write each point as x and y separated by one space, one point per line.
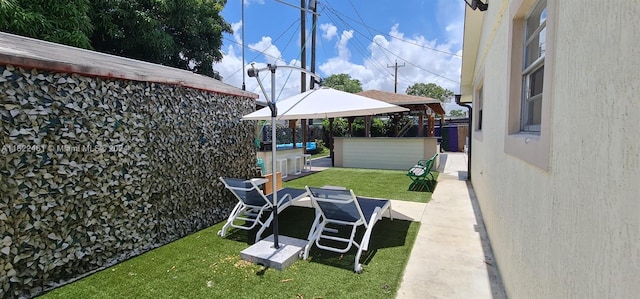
311 146
449 136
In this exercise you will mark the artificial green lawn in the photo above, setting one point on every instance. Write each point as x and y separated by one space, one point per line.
324 153
203 265
389 184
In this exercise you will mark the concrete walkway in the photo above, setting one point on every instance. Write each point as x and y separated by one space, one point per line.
451 257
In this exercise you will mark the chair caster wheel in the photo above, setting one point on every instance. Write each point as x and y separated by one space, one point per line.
219 233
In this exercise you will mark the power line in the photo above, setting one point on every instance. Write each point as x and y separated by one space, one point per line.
393 54
357 45
391 36
368 30
263 52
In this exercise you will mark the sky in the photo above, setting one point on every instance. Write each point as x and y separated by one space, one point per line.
364 39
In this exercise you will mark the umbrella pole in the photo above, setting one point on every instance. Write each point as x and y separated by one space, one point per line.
273 183
274 113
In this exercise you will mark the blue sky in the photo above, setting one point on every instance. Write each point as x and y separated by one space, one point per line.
359 38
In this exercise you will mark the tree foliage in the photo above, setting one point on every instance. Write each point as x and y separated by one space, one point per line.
379 128
186 34
457 112
343 82
430 90
340 126
65 22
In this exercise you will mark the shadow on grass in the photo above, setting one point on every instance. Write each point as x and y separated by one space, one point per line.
296 222
423 186
387 233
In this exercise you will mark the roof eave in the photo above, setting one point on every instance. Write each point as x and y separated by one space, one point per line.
473 20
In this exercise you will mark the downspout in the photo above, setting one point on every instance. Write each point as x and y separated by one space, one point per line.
469 133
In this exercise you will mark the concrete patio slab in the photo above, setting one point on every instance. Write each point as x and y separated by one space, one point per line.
264 253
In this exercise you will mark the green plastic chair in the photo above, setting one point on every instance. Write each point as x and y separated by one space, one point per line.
261 165
421 176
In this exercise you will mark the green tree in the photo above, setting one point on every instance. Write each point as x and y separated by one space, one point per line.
379 128
186 34
343 82
430 90
340 126
64 22
457 112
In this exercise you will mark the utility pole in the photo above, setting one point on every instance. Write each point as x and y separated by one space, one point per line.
314 21
396 66
303 54
244 86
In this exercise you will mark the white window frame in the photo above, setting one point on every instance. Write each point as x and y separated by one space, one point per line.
531 123
480 104
529 146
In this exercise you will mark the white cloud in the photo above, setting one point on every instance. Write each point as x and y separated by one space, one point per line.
268 49
417 63
247 3
343 50
329 31
237 29
421 64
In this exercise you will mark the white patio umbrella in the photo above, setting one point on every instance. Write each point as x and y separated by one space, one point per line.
317 103
323 103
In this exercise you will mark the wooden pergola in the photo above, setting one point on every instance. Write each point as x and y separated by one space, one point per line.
425 108
422 105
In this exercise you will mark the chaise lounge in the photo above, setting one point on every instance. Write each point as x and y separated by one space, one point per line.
252 204
340 209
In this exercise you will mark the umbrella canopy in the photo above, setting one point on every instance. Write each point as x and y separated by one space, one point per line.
325 102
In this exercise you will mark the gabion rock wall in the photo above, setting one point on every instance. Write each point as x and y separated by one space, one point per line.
285 134
94 170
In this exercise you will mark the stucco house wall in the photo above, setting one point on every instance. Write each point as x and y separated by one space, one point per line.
565 223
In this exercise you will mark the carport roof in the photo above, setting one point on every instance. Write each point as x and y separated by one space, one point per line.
414 103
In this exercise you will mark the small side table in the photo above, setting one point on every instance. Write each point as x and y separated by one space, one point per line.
306 160
285 170
297 160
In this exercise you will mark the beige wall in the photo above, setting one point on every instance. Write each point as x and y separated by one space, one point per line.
566 223
383 152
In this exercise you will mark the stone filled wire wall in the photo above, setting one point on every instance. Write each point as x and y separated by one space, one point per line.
95 171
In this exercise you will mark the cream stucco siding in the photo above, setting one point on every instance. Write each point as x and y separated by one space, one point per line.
570 229
382 152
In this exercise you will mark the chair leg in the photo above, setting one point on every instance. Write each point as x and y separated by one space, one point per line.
357 267
314 233
223 231
264 226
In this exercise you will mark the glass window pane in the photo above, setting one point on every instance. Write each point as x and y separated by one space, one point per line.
534 112
535 82
542 38
536 18
532 52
